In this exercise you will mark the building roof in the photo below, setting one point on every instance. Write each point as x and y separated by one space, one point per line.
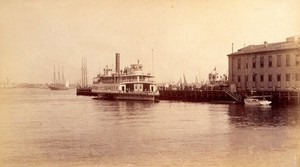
268 47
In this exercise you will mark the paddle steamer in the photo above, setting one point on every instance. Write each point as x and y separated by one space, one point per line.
128 84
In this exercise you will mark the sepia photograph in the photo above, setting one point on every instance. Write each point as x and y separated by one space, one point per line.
149 83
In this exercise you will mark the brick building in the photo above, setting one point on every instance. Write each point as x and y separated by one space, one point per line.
266 67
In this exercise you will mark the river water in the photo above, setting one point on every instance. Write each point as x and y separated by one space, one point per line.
39 127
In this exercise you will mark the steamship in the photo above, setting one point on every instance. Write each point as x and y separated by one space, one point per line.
128 84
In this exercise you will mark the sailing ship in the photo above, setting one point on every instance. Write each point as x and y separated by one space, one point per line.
83 88
128 84
59 83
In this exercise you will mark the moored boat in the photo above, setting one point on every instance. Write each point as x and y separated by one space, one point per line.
256 101
265 102
128 84
58 87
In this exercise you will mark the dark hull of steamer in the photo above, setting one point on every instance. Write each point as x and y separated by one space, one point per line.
142 96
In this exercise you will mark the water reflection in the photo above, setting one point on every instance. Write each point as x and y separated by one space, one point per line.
242 116
130 107
60 129
123 112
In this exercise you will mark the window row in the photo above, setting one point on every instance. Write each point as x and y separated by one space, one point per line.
269 61
262 78
108 88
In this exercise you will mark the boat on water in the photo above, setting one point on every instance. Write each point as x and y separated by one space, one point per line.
257 101
128 84
59 87
59 82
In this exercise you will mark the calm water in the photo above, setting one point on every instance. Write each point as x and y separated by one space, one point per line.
57 128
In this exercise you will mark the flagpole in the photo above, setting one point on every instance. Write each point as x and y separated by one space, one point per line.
152 63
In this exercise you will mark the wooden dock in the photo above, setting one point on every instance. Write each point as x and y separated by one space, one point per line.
216 96
223 96
282 97
196 95
85 92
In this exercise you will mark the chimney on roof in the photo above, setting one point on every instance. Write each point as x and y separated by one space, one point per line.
266 43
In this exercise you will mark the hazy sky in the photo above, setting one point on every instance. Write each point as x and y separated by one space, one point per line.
188 36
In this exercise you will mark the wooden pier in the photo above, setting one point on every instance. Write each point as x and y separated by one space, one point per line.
216 96
220 96
197 96
282 97
85 92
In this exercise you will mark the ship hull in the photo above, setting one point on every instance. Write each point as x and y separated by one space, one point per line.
128 84
58 88
128 96
256 102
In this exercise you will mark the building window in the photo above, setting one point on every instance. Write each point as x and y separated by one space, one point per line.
246 62
253 62
262 62
239 63
246 78
239 78
297 77
278 60
270 61
253 78
261 81
297 60
278 77
261 78
288 59
287 77
270 79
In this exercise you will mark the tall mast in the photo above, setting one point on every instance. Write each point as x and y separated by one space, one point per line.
58 74
86 80
152 63
199 75
85 72
184 80
54 77
82 73
63 77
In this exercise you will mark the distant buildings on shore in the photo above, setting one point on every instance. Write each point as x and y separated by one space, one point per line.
4 85
266 67
262 67
215 81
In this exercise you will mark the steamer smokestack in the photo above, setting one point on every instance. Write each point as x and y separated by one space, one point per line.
118 63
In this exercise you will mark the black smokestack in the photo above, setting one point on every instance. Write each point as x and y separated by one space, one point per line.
118 63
